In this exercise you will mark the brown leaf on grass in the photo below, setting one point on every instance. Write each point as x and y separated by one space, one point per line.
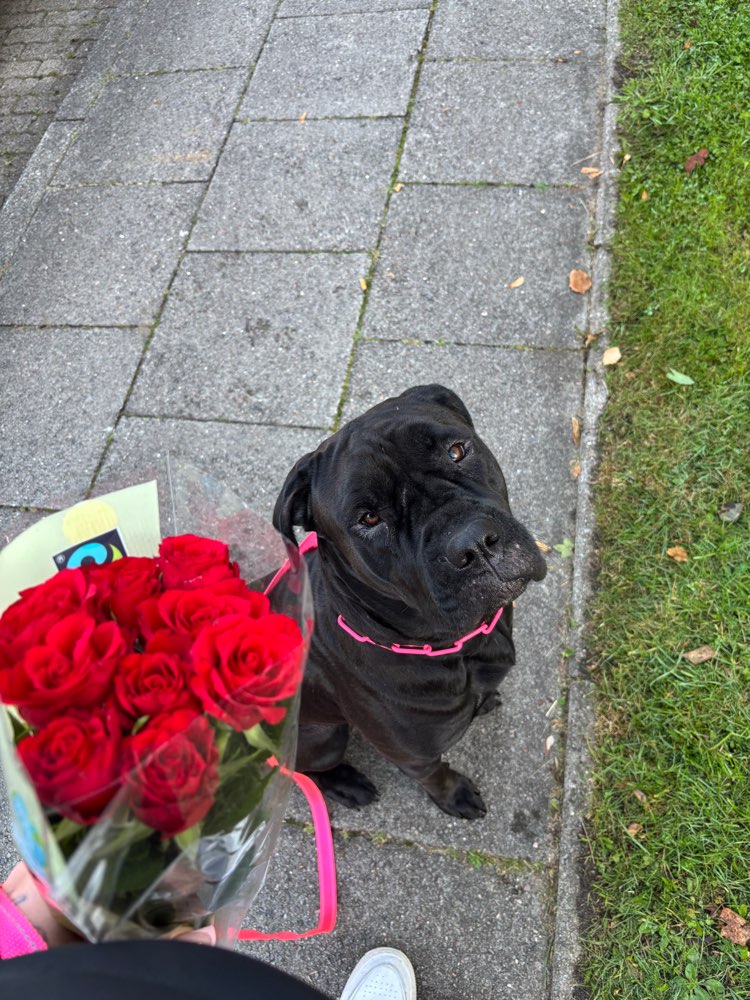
592 172
634 828
641 796
579 281
700 655
735 928
542 546
644 195
696 160
688 45
576 430
677 553
611 356
517 283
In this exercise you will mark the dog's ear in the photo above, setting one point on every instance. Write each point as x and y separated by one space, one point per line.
294 505
438 395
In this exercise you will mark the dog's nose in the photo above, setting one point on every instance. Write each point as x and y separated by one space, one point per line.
478 538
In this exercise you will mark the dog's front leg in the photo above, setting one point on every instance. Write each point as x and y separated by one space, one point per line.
452 791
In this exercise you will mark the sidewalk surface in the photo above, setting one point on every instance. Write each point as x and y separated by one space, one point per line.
244 224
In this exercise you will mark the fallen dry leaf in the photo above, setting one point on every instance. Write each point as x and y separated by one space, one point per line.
303 118
696 160
688 45
575 470
576 430
542 546
700 655
398 187
641 796
626 157
592 172
550 742
590 338
634 828
644 195
678 554
579 281
517 283
363 284
736 929
611 356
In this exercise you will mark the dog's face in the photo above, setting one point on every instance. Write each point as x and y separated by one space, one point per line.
412 515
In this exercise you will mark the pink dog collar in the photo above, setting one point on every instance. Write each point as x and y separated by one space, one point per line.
426 650
311 542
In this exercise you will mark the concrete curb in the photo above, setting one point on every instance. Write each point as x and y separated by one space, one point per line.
571 892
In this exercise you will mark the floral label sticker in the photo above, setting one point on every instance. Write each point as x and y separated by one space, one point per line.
94 551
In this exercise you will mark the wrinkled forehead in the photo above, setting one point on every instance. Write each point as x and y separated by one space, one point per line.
381 453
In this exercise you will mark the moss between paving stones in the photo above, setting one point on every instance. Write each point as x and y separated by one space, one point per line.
671 826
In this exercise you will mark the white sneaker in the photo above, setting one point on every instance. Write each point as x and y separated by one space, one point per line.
381 974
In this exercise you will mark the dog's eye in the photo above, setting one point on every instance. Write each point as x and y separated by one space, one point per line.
370 519
457 451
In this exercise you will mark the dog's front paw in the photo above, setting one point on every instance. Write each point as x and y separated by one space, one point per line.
459 796
489 703
346 785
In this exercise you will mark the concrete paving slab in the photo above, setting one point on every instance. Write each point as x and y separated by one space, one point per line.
342 65
98 256
286 186
19 208
449 254
469 932
527 28
259 338
300 8
515 122
47 375
196 34
250 460
167 127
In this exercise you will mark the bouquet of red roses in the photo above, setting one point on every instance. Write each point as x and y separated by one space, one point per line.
152 703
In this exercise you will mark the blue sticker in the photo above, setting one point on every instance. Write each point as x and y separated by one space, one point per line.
29 839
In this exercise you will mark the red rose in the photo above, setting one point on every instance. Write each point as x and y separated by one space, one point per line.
153 682
72 669
121 586
173 771
188 561
244 666
27 621
188 611
74 763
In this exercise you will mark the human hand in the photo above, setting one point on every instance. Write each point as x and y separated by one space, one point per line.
22 889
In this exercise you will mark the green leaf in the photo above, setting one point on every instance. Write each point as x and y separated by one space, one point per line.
240 792
187 838
565 548
258 738
66 828
679 378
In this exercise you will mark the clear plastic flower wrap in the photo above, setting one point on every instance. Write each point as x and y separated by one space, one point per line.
152 643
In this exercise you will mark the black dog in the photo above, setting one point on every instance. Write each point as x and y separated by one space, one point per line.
417 547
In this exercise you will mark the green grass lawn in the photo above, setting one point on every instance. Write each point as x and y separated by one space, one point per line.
670 832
